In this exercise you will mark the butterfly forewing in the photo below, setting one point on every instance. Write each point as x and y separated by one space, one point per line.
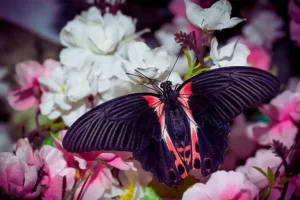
127 123
219 95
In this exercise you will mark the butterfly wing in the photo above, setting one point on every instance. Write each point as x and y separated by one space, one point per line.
217 96
210 100
127 123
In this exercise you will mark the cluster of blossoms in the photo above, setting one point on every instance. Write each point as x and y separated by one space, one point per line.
104 58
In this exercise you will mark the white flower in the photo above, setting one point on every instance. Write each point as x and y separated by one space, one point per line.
151 63
217 17
264 28
54 102
91 31
3 86
232 54
165 36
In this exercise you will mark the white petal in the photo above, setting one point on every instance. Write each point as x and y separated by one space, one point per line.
227 50
195 14
136 53
78 110
49 83
74 57
46 107
60 100
214 54
54 114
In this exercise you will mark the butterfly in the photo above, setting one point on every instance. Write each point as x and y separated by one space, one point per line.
176 130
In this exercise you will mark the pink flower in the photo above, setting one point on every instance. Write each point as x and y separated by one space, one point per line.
258 57
19 171
263 159
27 74
264 133
295 32
56 169
223 185
282 110
282 106
101 178
294 10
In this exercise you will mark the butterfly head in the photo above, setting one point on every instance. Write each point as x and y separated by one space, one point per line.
166 86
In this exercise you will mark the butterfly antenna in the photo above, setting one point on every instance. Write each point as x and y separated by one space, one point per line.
146 76
174 64
157 89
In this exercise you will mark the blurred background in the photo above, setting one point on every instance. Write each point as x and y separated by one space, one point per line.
29 30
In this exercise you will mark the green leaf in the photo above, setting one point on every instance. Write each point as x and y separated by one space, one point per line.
270 177
284 180
48 140
261 171
150 194
188 57
266 193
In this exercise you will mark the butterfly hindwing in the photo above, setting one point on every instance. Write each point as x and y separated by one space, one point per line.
127 124
208 143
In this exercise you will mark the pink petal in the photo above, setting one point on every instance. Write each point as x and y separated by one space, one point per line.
31 177
258 131
25 152
120 164
284 131
21 141
15 173
54 159
197 192
21 99
49 66
280 107
4 159
27 72
69 173
54 189
96 184
70 157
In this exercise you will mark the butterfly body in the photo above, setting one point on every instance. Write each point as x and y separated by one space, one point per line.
177 130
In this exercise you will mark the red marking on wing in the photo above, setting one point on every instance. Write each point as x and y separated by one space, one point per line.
186 90
158 106
184 150
178 160
183 98
155 102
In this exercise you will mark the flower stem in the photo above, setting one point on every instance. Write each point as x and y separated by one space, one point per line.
69 194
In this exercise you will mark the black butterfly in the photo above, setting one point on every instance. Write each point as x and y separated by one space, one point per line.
177 130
